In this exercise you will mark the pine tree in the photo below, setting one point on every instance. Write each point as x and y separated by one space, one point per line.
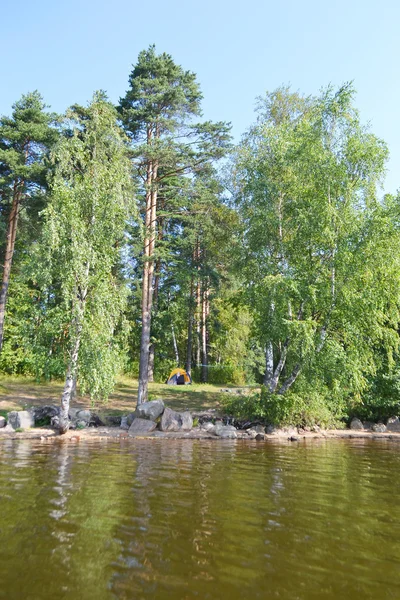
25 139
157 113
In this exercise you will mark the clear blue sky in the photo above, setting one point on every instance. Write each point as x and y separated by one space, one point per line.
238 48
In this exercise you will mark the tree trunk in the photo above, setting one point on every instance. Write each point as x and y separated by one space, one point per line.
147 284
175 346
189 347
10 245
204 353
155 301
69 385
269 364
290 380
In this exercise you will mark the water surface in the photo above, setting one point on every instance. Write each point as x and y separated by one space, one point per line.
196 519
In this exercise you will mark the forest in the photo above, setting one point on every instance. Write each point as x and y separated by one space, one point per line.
137 238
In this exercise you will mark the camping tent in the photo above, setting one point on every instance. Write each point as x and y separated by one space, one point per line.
179 377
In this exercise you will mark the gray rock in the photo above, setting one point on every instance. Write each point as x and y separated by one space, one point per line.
112 420
20 419
226 432
3 422
141 426
368 425
45 413
124 423
150 410
282 431
393 424
130 418
9 428
81 424
207 426
84 415
174 421
379 428
95 421
259 437
315 428
356 424
55 422
259 429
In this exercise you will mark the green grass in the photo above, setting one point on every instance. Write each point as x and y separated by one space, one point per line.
18 393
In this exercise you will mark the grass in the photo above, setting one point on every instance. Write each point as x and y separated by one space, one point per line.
19 393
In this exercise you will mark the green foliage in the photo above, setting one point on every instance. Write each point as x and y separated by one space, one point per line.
224 375
310 408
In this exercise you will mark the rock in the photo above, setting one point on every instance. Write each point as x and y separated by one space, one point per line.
81 424
379 428
95 421
130 418
150 410
113 420
124 423
3 422
393 424
368 425
20 419
174 421
207 426
141 426
259 429
224 431
316 429
294 438
259 437
9 428
282 432
356 424
55 422
84 415
43 414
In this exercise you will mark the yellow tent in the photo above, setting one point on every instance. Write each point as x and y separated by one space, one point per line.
179 377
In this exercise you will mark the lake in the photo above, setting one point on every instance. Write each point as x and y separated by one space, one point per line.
183 519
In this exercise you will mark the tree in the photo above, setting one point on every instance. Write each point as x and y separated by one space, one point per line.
314 265
84 228
157 113
25 139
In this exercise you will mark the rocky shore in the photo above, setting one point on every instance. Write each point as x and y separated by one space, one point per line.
154 420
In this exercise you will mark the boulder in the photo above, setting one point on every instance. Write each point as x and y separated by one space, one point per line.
368 425
3 422
84 415
282 431
124 423
174 421
259 437
207 426
225 431
393 424
43 414
356 424
130 418
379 428
20 419
150 410
141 426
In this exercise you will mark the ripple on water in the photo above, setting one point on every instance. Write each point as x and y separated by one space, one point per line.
189 519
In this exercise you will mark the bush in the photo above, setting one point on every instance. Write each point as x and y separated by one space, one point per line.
299 410
221 375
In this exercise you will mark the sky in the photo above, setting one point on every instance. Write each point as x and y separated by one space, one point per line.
238 48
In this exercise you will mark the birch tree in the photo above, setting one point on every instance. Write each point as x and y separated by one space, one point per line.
307 178
91 196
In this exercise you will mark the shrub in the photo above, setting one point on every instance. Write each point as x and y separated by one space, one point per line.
307 409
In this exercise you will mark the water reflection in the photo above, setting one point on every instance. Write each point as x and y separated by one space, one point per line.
189 519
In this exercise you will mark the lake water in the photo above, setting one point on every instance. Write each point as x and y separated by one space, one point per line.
209 520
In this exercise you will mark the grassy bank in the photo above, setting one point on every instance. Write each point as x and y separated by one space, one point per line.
17 393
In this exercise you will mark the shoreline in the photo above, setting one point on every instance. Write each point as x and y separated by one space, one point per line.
116 433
